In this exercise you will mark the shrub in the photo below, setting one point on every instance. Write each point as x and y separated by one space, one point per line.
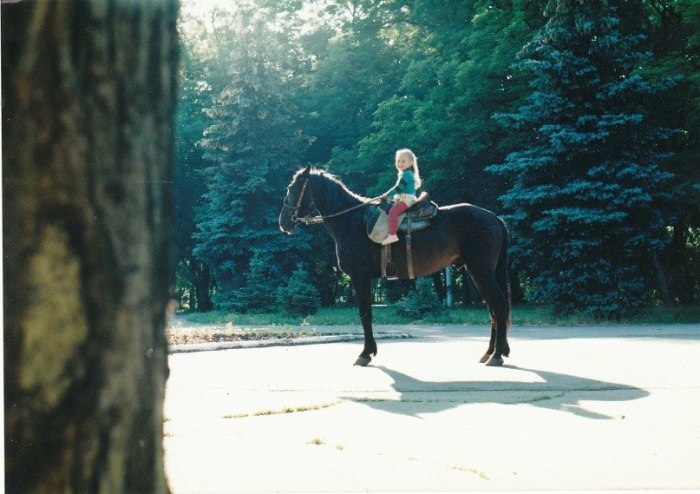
420 302
256 295
298 297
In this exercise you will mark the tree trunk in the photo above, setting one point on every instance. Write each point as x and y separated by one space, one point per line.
440 288
88 93
201 280
682 270
470 294
663 282
517 296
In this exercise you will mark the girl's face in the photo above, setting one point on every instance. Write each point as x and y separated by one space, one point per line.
404 162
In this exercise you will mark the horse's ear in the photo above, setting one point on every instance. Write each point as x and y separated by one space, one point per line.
307 170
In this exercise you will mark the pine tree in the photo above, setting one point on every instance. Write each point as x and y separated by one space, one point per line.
298 297
188 185
253 146
587 204
255 294
421 301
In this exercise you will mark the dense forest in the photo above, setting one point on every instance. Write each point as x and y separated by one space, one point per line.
575 121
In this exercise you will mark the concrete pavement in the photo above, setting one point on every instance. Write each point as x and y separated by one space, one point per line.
573 408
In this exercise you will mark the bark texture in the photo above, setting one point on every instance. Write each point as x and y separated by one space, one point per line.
88 94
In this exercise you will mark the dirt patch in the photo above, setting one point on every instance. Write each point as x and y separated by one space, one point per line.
211 335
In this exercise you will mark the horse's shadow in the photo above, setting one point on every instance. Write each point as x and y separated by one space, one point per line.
554 391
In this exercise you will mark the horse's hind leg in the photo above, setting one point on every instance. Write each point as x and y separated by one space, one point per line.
499 307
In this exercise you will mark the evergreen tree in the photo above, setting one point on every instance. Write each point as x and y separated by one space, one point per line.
588 201
421 301
253 146
298 297
255 294
193 280
675 37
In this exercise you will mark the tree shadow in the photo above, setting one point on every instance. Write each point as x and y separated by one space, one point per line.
553 391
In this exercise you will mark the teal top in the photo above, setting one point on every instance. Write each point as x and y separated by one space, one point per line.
405 185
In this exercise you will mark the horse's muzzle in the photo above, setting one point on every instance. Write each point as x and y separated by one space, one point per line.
286 224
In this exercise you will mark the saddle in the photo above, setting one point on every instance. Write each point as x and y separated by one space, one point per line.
417 217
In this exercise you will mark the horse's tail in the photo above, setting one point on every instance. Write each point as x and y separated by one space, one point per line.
502 269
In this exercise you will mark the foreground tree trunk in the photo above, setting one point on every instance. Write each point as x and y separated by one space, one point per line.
88 92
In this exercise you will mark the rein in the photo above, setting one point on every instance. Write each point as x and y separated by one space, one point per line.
313 220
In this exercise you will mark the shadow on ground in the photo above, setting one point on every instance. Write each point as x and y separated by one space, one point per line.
551 390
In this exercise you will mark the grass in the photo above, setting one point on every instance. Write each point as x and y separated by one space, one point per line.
285 410
218 326
278 322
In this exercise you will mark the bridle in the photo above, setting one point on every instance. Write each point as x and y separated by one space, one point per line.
307 219
295 215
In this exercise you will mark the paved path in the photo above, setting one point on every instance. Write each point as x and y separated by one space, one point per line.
573 408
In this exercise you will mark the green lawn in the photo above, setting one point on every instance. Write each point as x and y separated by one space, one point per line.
522 316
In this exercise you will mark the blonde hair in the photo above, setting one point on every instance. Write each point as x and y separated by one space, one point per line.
414 163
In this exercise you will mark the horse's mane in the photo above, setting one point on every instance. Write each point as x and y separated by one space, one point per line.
326 177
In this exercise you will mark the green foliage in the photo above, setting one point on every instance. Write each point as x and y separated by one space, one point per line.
456 76
420 302
525 315
587 203
252 145
255 294
298 297
586 161
193 275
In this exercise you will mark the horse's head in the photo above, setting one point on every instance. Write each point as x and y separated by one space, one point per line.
298 201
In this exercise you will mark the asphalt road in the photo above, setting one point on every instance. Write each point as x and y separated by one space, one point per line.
592 408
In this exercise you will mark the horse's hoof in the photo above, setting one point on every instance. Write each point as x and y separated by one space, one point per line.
485 358
495 362
362 361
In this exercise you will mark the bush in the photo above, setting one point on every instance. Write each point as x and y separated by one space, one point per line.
420 302
256 295
298 297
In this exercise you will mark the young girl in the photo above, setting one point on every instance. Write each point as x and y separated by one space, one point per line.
405 190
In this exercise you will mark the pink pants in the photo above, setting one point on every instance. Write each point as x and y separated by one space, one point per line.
397 209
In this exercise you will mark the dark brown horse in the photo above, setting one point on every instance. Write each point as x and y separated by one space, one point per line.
461 234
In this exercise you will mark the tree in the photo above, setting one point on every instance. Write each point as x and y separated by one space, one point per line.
298 297
88 92
674 28
589 202
355 72
456 74
421 301
255 293
189 186
252 145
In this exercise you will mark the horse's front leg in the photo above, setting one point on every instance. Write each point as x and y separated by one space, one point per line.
363 294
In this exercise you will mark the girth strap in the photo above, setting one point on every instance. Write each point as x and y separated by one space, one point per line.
409 253
386 258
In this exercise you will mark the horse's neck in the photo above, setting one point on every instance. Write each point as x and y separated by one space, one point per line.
330 196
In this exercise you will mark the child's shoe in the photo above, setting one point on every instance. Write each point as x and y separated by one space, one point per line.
390 240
